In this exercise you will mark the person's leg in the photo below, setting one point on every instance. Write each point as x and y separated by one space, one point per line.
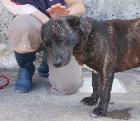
26 71
24 35
67 79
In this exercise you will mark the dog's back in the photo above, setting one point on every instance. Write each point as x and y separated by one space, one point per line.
127 34
119 37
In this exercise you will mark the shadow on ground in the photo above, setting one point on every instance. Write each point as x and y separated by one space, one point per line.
123 114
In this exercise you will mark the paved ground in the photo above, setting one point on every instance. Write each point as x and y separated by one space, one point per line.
42 105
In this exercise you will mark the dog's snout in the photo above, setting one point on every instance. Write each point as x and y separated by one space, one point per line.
57 65
57 62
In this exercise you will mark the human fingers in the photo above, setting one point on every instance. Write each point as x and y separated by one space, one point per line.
56 5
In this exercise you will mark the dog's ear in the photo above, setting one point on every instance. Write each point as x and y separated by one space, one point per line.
74 22
44 36
42 32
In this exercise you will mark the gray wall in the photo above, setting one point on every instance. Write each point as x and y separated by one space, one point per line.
98 9
5 18
112 9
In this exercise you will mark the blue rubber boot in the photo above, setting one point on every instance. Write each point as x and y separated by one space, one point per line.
43 69
26 71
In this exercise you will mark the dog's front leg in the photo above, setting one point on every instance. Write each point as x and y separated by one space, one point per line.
93 99
105 85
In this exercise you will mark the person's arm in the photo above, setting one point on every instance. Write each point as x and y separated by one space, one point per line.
41 16
17 9
76 7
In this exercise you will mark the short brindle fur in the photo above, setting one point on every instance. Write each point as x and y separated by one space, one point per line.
105 46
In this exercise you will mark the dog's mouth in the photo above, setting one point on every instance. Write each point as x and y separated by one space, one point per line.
61 60
61 63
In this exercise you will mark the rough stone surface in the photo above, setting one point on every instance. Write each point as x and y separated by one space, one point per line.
98 9
112 9
5 18
43 105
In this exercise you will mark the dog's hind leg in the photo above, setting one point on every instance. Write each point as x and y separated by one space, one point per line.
93 99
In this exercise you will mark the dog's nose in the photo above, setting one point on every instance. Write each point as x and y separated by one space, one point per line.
57 65
57 62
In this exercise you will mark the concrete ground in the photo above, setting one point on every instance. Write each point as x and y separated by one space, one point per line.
43 105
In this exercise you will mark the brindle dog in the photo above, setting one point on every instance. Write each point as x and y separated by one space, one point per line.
105 46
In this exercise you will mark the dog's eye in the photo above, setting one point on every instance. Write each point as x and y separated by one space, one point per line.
59 41
59 22
47 44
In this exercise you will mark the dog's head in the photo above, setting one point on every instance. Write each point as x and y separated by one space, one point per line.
61 36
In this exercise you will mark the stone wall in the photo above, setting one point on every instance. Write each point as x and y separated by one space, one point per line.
5 18
112 9
98 9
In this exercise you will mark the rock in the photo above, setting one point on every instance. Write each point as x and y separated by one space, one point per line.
5 18
113 9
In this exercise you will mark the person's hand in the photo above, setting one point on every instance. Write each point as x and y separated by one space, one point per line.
57 10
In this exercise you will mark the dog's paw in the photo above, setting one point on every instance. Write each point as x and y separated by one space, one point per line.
98 112
89 101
